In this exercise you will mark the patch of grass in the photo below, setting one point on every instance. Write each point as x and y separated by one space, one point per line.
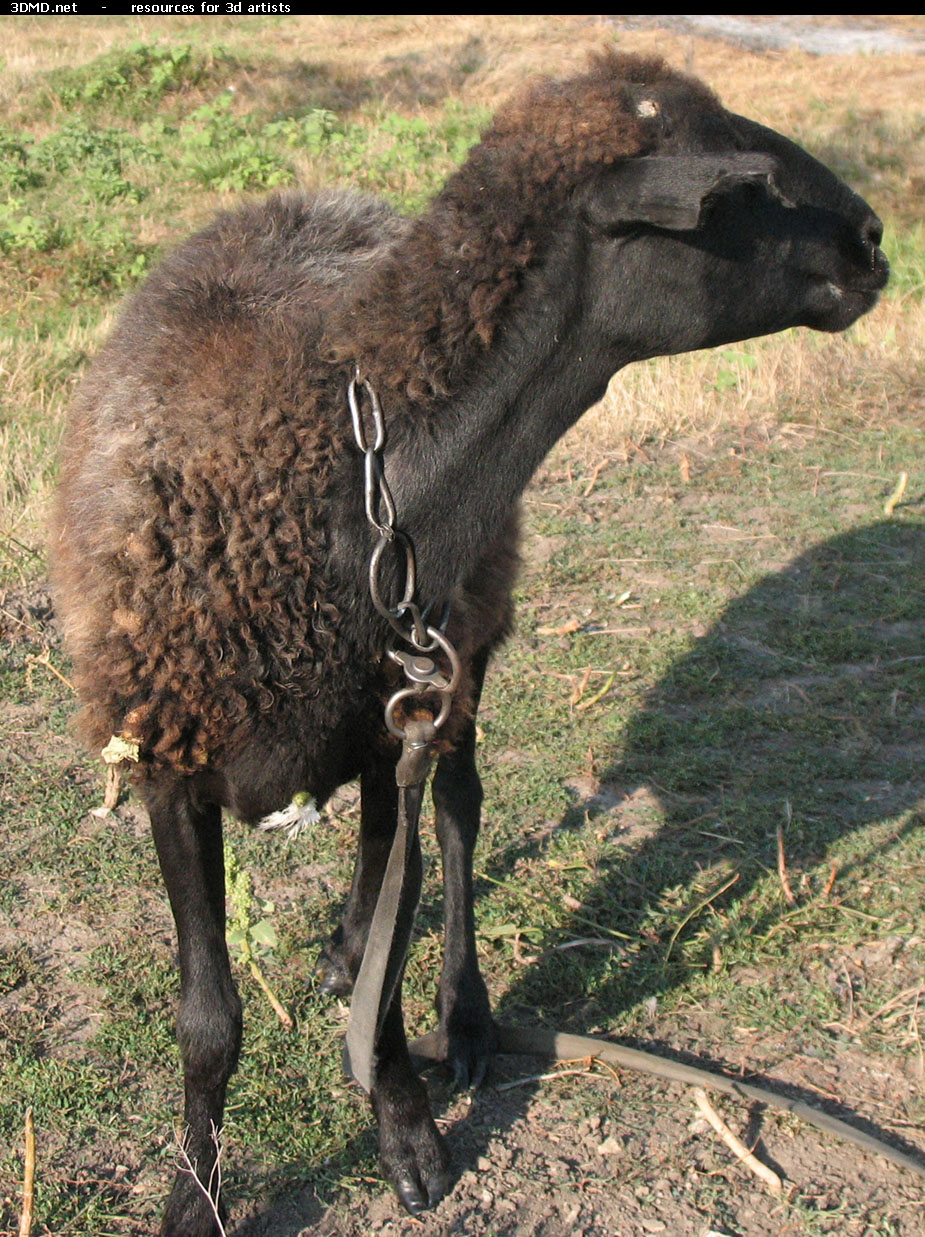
405 158
905 247
131 80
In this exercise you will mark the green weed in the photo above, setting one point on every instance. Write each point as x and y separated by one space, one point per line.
132 79
221 152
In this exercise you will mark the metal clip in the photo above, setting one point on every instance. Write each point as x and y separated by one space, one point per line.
425 678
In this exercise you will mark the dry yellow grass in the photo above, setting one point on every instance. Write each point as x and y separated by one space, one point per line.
874 371
773 85
828 101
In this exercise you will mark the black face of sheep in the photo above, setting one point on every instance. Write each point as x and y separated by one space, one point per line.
210 542
765 237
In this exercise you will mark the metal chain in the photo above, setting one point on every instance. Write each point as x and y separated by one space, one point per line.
407 620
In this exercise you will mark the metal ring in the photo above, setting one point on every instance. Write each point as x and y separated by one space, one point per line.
356 415
393 613
402 694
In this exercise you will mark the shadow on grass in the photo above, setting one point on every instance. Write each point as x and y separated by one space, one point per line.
804 701
803 704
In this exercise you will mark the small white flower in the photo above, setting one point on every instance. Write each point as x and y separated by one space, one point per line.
295 818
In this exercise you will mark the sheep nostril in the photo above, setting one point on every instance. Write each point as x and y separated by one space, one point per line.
872 235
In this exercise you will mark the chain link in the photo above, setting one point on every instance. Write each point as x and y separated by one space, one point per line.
405 618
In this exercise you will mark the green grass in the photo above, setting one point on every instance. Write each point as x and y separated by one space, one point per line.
180 127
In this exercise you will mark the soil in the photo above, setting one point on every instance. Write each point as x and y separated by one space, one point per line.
819 34
526 1160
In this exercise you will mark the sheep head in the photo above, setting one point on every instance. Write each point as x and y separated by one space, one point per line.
697 226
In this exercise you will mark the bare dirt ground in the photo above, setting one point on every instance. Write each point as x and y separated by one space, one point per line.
832 35
526 1160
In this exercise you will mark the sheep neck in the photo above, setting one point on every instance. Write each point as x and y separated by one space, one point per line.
458 470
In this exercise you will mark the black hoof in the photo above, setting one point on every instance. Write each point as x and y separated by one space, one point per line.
468 1038
418 1167
414 1158
468 1055
411 1194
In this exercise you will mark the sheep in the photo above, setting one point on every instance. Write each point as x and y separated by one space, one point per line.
209 539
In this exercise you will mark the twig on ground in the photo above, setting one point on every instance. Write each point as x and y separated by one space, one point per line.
214 1187
284 1017
628 633
567 628
915 1035
735 1145
849 989
830 883
44 659
594 476
716 955
584 1072
581 687
520 957
592 700
28 1178
782 858
696 911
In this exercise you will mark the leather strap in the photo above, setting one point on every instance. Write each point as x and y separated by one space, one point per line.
530 1041
390 931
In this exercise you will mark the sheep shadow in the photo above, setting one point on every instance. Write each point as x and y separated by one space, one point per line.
796 705
797 708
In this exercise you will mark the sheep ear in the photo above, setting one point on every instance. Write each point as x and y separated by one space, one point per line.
670 191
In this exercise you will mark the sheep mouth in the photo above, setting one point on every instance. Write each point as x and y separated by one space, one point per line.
848 292
839 305
857 280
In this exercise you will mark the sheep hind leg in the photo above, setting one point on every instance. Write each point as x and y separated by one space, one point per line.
188 838
468 1038
340 959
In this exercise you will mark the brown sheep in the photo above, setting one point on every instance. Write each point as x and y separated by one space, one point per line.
210 544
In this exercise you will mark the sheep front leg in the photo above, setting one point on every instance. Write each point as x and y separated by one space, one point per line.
414 1159
412 1153
189 848
340 959
467 1031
